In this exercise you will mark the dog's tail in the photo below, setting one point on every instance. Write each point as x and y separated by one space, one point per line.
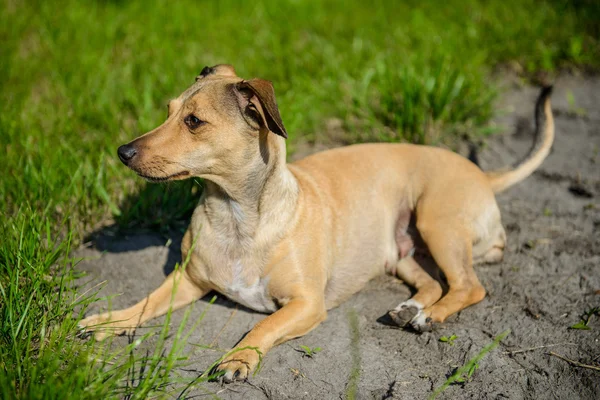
501 180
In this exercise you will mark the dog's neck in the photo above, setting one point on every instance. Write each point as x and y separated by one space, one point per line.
246 205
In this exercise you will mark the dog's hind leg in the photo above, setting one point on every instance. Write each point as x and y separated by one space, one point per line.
176 291
451 247
428 291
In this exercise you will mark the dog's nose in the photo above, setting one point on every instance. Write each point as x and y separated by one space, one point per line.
126 153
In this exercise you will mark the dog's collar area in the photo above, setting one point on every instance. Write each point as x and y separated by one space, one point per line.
163 178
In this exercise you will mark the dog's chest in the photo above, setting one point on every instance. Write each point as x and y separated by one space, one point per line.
253 295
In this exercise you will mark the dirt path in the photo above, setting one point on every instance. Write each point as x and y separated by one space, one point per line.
550 276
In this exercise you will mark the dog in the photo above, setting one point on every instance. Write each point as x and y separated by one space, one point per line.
295 240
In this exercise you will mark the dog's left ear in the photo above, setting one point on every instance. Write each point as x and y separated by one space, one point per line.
260 95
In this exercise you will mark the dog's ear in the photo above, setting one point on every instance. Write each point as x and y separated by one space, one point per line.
260 97
219 69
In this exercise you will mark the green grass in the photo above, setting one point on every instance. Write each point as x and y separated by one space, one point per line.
309 352
448 339
354 377
465 372
586 317
80 78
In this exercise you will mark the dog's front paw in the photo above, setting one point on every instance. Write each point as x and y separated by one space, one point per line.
238 365
105 325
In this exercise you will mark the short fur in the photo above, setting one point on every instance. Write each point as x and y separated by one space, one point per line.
298 239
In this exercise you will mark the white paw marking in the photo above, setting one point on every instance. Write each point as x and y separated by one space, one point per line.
409 303
420 319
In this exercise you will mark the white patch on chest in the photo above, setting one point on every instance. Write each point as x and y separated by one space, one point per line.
253 296
237 212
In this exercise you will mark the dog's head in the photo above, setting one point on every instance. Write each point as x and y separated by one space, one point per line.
215 128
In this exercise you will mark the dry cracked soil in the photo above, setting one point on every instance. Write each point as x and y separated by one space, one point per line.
550 276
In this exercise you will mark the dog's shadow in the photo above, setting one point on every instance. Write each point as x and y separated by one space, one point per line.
113 240
154 215
157 215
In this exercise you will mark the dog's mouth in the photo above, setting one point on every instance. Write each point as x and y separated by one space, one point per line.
163 178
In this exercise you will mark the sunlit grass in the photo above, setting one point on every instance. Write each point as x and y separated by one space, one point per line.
80 78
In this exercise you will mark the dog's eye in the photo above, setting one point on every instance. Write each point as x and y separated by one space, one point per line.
193 122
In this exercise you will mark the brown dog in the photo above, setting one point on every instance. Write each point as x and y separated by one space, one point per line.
297 239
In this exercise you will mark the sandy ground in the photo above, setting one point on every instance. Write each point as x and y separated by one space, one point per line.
550 276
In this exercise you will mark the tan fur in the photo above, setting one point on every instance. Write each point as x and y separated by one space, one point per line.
299 239
502 180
